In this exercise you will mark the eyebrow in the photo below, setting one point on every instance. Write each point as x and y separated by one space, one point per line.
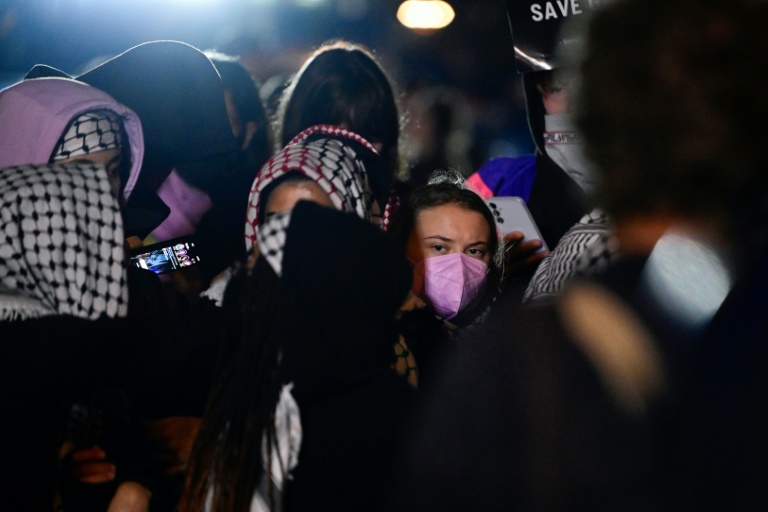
446 239
439 237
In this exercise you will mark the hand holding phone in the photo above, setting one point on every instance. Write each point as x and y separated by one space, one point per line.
511 214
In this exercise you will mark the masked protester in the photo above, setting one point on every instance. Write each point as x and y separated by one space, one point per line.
450 237
318 391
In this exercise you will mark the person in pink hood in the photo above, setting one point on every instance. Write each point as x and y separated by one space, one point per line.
60 120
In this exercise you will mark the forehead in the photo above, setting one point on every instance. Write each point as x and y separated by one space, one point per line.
287 194
453 221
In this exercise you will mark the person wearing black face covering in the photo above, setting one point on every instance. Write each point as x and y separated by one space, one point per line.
326 335
353 404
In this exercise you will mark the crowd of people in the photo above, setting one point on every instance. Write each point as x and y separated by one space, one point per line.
352 341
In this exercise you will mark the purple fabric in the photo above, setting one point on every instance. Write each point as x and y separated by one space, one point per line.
34 114
452 282
509 176
188 204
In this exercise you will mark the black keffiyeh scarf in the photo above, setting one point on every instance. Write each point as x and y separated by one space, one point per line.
271 237
61 243
342 281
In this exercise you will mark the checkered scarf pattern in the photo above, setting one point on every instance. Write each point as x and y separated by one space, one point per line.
588 246
61 243
393 202
90 132
271 237
329 162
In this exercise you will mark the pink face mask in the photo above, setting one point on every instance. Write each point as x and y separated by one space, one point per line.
452 282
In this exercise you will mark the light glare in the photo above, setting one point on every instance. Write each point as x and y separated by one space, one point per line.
688 278
425 14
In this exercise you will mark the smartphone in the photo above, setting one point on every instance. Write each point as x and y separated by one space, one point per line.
512 214
162 257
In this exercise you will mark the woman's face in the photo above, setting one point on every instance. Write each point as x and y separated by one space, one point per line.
449 229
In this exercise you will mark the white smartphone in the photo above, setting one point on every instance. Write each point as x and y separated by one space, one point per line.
512 214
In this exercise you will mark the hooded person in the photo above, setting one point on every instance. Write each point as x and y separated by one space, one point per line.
50 120
557 180
63 315
191 156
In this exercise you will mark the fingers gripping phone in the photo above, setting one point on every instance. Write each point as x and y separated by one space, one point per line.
162 257
512 214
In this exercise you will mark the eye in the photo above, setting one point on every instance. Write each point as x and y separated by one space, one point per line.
438 248
476 252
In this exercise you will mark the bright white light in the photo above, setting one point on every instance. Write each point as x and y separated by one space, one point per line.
688 278
425 14
195 2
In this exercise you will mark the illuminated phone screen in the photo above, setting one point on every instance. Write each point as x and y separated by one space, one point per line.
167 258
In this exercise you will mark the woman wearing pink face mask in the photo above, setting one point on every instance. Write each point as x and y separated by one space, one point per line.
449 235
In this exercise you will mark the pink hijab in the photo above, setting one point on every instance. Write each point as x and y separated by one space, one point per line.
34 114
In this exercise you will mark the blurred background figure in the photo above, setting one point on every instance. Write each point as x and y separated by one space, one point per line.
247 114
252 129
555 181
438 133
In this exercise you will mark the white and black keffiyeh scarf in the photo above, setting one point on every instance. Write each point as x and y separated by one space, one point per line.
271 236
587 246
61 251
329 162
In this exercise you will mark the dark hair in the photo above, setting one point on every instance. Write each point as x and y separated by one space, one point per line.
672 109
227 453
244 91
441 193
342 84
